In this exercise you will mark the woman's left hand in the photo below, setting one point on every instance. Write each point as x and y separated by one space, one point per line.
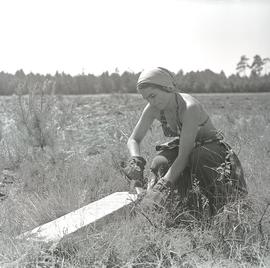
157 196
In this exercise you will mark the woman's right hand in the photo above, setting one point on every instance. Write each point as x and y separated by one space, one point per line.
134 170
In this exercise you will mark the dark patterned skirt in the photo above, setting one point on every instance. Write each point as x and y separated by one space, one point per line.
213 175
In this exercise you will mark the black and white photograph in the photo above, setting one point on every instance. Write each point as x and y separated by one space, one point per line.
135 133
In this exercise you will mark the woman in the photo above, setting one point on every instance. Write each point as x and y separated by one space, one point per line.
197 157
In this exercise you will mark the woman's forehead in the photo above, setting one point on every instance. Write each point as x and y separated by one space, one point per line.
148 91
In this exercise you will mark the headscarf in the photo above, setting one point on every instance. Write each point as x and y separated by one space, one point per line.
163 77
158 76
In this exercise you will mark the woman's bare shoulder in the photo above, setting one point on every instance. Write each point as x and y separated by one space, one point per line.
194 109
190 100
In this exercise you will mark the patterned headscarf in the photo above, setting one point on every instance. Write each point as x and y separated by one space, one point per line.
158 76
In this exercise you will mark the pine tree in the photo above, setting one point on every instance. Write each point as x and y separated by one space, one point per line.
257 65
242 65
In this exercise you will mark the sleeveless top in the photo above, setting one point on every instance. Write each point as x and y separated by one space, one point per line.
180 107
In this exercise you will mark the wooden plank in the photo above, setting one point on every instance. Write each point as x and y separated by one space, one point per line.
55 230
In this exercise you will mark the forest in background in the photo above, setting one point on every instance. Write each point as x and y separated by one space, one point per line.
254 77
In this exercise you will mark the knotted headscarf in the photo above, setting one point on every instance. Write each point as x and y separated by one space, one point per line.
158 76
164 78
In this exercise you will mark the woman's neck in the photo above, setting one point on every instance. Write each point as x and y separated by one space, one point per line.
172 104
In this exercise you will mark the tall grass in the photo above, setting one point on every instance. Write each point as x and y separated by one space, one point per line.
66 157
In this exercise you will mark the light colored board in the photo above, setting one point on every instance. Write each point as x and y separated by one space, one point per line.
55 230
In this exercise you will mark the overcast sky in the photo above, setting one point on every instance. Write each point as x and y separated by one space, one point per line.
93 36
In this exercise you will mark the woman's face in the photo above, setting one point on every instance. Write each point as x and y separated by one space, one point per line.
156 97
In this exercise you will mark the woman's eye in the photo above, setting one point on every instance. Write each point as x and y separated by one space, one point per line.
150 97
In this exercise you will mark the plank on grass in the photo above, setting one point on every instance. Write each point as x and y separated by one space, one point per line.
55 230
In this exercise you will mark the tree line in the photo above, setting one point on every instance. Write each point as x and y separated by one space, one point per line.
249 77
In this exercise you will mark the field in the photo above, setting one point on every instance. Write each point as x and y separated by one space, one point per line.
60 153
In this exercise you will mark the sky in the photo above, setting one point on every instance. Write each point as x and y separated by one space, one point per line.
93 36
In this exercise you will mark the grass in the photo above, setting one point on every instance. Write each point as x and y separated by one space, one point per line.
89 133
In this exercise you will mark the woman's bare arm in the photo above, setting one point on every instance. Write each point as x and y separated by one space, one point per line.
188 136
140 130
